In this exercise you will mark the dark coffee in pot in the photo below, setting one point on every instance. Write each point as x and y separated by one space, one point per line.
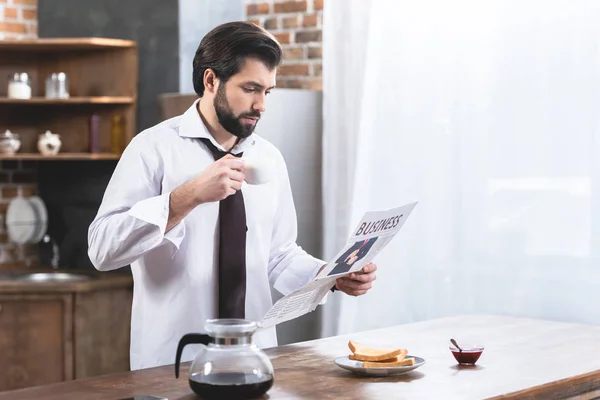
230 385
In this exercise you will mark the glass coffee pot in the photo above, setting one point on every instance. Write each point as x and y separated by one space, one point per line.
229 365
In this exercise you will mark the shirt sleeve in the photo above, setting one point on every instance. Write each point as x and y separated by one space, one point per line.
133 216
290 267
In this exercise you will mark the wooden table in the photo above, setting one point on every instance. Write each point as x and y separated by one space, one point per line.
523 359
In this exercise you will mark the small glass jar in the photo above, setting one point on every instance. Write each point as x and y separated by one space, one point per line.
57 86
19 86
94 134
117 134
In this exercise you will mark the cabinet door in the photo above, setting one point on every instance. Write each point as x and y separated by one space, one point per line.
102 321
35 340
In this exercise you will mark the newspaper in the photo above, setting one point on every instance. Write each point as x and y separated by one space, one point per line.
373 233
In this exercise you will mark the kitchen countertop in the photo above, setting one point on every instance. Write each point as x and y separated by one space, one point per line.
523 358
98 281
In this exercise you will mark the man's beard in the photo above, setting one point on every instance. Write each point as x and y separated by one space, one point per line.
228 120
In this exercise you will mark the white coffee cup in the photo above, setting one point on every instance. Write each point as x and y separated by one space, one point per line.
257 171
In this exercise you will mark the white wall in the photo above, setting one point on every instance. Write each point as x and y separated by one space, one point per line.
293 123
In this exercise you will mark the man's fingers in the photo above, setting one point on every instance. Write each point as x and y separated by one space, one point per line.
235 175
352 285
357 284
234 162
230 191
362 277
235 185
370 267
352 292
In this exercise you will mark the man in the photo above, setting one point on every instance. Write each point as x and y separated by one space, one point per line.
354 253
202 243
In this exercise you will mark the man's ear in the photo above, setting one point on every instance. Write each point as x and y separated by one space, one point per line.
210 81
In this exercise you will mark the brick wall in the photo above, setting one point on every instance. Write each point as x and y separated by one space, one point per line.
18 19
297 24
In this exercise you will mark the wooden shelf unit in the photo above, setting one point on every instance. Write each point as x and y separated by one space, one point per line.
60 156
103 80
54 44
71 100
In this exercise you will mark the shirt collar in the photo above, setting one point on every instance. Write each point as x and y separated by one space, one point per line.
192 126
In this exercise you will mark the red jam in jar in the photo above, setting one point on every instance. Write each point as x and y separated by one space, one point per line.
469 354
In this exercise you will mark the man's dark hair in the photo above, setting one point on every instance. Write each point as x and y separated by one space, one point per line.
224 49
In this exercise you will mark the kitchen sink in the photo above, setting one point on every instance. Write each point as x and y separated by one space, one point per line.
45 277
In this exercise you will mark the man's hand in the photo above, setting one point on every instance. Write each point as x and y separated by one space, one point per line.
221 179
357 284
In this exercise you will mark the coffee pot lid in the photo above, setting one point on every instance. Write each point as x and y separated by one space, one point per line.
230 327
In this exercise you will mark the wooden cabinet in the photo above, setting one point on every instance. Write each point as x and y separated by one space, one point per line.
101 327
102 80
36 337
75 332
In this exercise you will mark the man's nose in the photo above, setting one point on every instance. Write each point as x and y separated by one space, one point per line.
260 104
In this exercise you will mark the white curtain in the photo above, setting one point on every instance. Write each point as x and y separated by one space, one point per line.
488 114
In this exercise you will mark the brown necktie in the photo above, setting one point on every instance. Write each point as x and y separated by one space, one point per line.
232 249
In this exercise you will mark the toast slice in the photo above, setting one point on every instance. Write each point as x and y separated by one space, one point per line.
399 357
403 363
366 353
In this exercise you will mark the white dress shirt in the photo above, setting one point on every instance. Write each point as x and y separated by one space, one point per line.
175 273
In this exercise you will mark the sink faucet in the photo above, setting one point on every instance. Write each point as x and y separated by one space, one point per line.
55 251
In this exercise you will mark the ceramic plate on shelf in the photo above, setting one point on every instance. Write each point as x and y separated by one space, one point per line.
21 220
42 218
357 367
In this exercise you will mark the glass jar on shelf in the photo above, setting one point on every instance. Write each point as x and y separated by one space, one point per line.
94 133
117 134
57 86
19 86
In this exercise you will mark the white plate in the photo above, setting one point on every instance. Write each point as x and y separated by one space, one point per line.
42 218
21 219
357 367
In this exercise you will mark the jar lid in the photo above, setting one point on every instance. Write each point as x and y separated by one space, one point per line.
229 327
8 134
58 76
20 77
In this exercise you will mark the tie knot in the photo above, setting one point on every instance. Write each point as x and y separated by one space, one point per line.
218 154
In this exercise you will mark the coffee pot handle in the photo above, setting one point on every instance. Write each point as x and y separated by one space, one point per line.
190 338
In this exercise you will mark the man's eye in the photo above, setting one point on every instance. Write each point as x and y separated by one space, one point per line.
268 92
247 90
